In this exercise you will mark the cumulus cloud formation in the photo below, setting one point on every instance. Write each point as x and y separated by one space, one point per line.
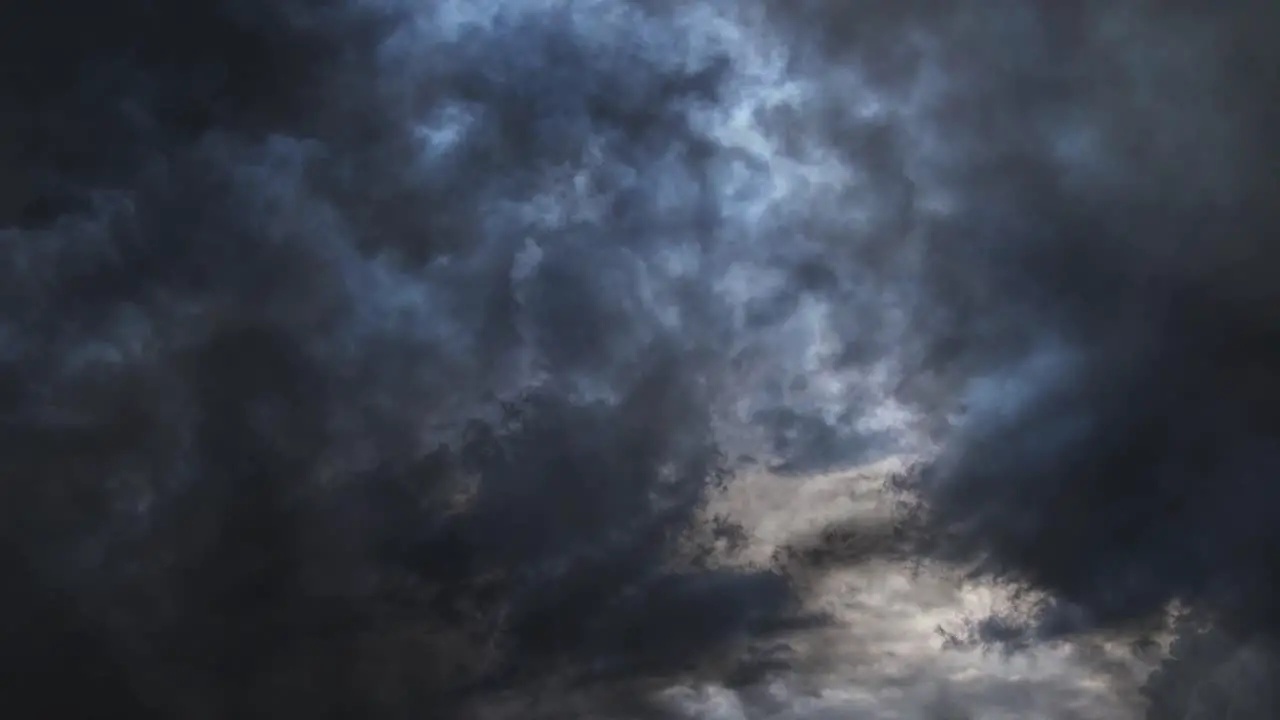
373 358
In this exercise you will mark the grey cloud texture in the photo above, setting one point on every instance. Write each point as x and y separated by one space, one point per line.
407 345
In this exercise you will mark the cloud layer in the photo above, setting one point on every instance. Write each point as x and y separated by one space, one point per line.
400 349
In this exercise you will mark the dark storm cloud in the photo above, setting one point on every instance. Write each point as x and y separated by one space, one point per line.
351 364
1125 460
393 348
1101 307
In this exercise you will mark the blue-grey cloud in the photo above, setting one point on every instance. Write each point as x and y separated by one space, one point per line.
401 344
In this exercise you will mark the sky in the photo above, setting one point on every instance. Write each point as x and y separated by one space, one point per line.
617 358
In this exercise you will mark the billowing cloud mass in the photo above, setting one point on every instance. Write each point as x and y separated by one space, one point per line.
387 358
